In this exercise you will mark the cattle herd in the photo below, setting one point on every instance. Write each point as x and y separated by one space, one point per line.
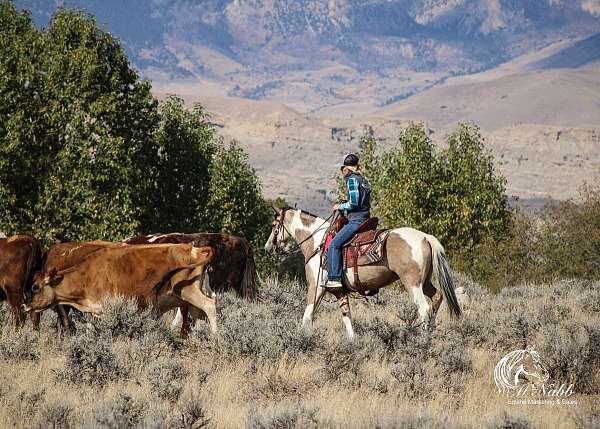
165 272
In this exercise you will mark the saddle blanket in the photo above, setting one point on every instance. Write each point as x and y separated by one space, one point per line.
365 248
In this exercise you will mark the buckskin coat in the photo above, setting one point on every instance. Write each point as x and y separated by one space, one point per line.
83 275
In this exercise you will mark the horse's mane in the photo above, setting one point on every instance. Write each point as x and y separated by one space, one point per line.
302 211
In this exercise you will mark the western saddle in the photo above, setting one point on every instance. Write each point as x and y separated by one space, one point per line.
365 248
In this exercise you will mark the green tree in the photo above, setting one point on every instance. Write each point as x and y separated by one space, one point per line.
474 203
455 194
235 202
186 148
76 131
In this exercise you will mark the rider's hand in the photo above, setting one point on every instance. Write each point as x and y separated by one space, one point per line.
336 207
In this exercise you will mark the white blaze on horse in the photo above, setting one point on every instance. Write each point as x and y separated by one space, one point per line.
411 256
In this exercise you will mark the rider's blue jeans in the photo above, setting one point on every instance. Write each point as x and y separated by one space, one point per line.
334 254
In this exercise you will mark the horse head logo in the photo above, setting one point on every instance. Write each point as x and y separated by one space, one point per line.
520 368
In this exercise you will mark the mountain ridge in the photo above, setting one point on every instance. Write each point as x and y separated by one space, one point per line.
329 51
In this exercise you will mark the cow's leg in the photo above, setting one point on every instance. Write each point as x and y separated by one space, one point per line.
63 317
202 297
185 322
35 320
14 301
177 320
196 316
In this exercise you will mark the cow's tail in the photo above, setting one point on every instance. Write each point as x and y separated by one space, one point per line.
34 262
441 271
249 285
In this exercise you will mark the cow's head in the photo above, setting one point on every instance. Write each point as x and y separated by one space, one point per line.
42 295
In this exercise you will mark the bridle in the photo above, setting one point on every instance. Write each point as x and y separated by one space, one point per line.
282 228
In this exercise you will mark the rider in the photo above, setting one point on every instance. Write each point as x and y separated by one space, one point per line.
357 210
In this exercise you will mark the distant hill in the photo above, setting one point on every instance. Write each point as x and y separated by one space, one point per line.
311 54
298 82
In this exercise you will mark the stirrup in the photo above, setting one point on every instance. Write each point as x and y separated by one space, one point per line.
333 285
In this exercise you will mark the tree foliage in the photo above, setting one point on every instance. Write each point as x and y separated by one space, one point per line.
455 194
74 130
86 151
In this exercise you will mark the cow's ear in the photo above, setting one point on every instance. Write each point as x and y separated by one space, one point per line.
56 280
53 277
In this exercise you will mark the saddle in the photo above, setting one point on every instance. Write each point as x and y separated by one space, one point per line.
365 248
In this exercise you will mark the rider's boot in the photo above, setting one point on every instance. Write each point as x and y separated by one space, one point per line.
333 285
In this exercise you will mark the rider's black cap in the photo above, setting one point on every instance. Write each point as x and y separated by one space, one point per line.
350 160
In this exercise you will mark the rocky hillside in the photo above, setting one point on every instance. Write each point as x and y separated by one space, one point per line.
315 53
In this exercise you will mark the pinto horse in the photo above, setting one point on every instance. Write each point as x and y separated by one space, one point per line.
411 256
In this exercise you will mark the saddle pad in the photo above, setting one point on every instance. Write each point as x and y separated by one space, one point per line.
365 248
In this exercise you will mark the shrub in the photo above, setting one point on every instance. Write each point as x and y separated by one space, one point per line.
122 317
285 416
426 364
166 377
265 330
117 412
560 241
90 361
19 344
55 415
411 420
189 414
509 421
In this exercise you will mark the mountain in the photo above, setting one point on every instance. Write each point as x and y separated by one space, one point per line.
298 82
311 54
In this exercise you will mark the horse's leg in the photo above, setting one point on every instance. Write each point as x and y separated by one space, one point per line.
423 305
344 302
315 293
409 257
436 298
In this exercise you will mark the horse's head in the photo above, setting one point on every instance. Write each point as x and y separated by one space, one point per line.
533 370
280 236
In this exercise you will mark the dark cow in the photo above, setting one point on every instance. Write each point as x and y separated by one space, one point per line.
20 258
233 266
83 275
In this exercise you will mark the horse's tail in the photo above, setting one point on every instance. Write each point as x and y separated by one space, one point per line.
442 274
249 285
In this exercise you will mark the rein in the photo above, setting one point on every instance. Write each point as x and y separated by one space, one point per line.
281 226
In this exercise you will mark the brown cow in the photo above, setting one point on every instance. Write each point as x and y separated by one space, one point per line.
233 266
163 275
20 258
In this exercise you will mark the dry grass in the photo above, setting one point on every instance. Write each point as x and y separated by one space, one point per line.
262 371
